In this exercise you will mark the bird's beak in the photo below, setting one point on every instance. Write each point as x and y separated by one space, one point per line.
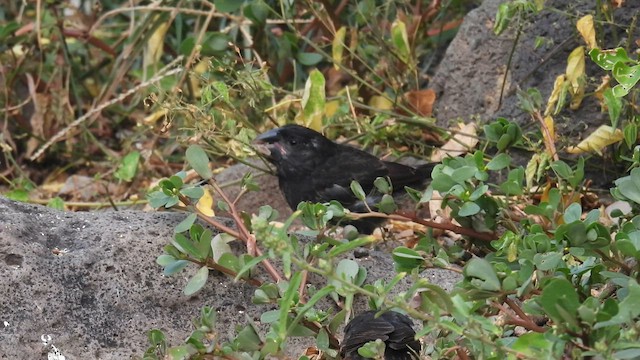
264 143
268 136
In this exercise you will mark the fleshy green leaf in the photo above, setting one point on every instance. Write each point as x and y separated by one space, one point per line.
197 281
482 274
199 161
128 167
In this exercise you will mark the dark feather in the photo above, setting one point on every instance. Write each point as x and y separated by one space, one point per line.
393 328
313 168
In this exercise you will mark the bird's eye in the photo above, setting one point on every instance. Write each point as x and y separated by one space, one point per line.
292 142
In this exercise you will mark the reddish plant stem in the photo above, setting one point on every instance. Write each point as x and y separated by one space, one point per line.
523 320
220 226
245 235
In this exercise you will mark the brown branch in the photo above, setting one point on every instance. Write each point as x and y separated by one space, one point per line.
92 40
535 327
303 284
245 235
403 216
220 226
462 353
523 320
628 270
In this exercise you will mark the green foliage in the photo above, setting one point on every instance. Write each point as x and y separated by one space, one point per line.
558 265
503 132
557 282
128 167
625 70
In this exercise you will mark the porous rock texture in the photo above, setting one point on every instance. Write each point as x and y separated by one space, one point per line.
469 79
89 281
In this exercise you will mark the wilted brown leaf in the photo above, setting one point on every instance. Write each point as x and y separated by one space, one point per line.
421 101
617 3
599 92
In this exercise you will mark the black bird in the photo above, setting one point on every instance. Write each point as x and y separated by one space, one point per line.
393 328
311 167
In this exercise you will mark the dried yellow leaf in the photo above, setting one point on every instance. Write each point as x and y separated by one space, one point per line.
550 125
154 47
205 204
380 103
588 32
152 118
555 94
337 47
195 78
575 76
604 136
605 84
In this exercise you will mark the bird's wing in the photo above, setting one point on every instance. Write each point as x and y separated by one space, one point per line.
403 332
363 329
404 175
335 175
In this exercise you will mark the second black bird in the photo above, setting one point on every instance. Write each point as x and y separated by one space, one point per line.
393 328
311 167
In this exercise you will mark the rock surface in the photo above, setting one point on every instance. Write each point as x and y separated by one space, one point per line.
470 77
90 282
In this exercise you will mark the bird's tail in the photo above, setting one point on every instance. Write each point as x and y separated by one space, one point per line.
425 170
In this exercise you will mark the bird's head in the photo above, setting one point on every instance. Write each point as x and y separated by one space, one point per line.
294 148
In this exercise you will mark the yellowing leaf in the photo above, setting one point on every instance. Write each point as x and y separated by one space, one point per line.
400 40
155 44
313 101
380 103
531 170
588 32
331 107
550 126
91 86
195 76
152 118
337 47
285 104
512 252
575 76
604 136
558 86
205 204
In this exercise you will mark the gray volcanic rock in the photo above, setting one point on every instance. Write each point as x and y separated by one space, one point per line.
89 281
469 79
